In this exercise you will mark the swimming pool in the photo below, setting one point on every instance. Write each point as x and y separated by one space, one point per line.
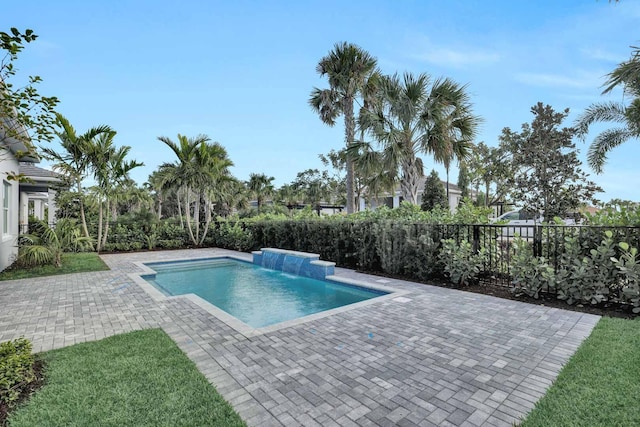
257 296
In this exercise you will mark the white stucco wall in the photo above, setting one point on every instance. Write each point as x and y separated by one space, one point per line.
8 248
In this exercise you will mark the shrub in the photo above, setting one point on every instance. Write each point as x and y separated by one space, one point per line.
234 236
16 368
47 246
629 266
170 243
588 279
530 274
460 262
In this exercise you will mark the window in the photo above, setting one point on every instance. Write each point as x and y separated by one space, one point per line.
6 192
527 215
511 216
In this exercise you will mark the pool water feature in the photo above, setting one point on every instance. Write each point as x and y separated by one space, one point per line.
299 263
255 295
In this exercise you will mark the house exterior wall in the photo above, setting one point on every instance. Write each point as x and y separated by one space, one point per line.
394 201
8 239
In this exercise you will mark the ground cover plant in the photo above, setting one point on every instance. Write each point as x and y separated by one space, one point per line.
139 378
599 386
80 262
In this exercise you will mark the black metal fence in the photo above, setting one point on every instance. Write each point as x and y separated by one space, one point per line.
546 241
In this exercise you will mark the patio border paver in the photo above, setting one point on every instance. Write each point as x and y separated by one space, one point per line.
434 356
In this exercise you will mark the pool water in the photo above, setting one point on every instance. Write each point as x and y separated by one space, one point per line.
257 296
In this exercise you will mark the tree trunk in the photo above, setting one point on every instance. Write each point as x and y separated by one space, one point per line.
486 198
448 201
207 213
410 180
160 207
99 246
85 230
196 216
106 228
349 132
187 213
180 209
114 211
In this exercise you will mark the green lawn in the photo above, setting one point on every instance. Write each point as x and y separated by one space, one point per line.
600 385
137 379
71 263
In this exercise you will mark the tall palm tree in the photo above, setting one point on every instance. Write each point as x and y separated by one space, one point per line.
184 172
418 116
347 68
110 170
167 181
453 129
74 161
212 159
627 75
202 171
156 185
260 186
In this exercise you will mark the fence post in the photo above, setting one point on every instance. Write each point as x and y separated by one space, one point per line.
476 238
537 240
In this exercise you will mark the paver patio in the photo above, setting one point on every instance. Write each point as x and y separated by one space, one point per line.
437 357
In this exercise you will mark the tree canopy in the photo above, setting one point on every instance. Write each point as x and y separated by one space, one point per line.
26 116
434 195
548 177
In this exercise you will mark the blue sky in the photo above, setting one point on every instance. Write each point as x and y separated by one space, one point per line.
242 71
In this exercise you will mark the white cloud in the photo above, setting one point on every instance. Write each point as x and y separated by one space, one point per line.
456 58
581 80
603 55
425 50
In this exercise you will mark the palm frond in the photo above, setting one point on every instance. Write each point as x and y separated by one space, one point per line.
603 144
601 112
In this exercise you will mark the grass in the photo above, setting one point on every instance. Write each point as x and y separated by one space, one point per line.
71 263
135 379
600 385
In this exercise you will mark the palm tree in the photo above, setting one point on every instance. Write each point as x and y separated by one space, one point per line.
289 196
48 246
156 185
202 173
627 75
212 159
347 67
74 162
231 195
373 172
183 171
260 187
169 181
417 116
110 170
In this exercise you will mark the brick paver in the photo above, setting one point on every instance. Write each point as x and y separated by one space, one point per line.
436 357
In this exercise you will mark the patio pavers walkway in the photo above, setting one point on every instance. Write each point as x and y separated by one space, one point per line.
439 357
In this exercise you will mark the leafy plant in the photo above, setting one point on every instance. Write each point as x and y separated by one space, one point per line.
588 278
233 237
629 266
461 264
48 246
16 368
530 274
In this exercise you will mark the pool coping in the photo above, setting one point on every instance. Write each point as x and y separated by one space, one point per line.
240 326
